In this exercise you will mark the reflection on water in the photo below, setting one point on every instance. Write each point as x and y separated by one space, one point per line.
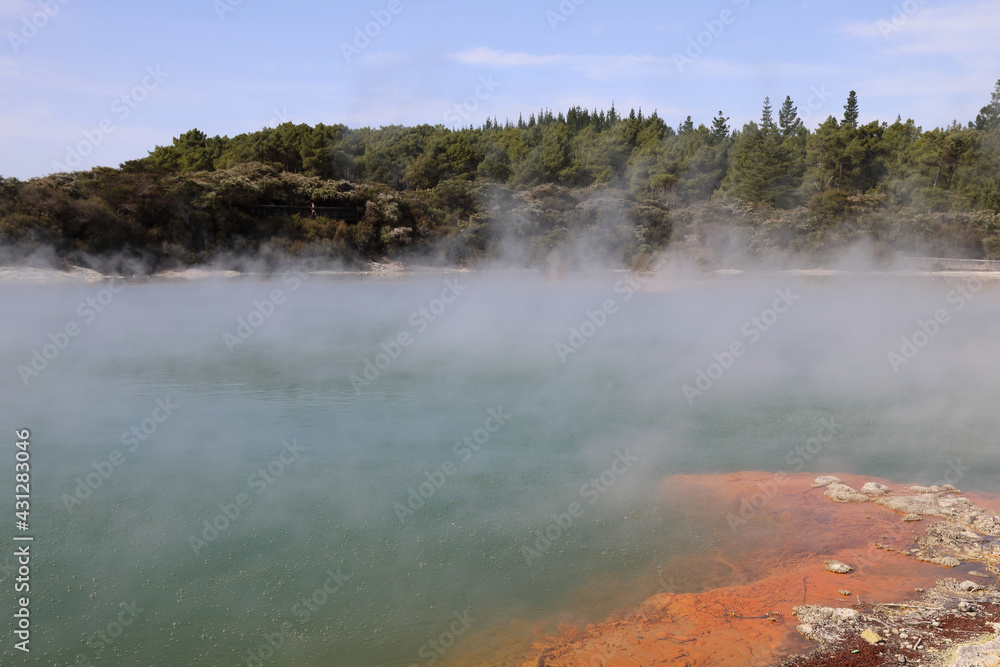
229 542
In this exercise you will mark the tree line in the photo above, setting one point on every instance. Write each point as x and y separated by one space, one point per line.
629 185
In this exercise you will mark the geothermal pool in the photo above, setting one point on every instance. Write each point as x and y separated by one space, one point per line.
320 469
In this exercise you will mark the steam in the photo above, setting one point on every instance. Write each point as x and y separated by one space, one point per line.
571 416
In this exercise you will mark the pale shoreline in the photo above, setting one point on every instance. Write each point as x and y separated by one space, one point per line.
83 276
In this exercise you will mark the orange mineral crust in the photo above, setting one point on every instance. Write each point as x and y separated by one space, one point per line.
778 533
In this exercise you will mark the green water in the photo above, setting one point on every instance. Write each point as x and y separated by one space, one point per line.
118 579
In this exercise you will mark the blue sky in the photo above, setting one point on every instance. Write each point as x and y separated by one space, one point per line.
113 79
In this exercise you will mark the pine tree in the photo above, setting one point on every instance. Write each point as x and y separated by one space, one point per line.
851 111
767 125
761 169
788 119
720 128
686 126
989 116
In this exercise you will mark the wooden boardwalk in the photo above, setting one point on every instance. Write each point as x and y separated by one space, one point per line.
346 213
946 264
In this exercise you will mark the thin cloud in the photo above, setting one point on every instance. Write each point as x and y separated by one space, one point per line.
925 47
382 58
964 32
731 69
9 67
935 94
16 8
597 66
612 67
933 84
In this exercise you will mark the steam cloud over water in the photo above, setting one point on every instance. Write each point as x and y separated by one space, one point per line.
488 406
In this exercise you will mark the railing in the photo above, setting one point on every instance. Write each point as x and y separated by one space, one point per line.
946 264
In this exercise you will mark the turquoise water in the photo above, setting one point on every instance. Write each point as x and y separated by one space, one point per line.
418 499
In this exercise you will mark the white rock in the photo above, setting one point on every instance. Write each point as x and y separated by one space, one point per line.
837 567
875 489
839 492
